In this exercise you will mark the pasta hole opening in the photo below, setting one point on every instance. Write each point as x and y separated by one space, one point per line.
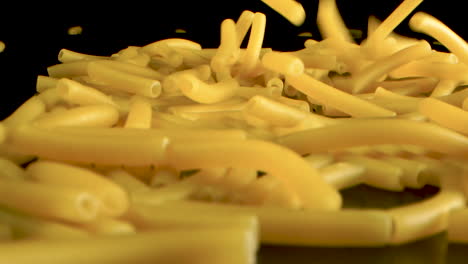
155 89
88 206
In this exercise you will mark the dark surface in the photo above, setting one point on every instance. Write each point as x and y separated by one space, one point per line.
34 34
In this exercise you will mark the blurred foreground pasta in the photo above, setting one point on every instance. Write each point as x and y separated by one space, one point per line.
175 153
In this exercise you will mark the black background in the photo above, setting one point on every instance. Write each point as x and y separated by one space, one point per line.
34 34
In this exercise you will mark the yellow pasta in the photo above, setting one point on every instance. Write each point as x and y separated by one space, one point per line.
330 23
114 199
425 218
283 63
70 69
26 112
66 55
213 245
76 93
425 23
338 99
5 232
378 173
343 174
371 73
363 132
312 190
140 114
70 204
243 24
445 114
109 226
124 81
45 82
250 57
307 227
107 150
10 170
27 226
457 231
202 92
290 9
90 115
390 23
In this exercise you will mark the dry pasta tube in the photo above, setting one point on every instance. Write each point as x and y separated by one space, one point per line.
83 116
74 92
318 161
171 43
248 92
274 112
70 204
420 68
411 171
283 62
205 93
50 98
10 170
279 226
408 86
66 55
456 98
296 103
199 134
105 150
114 199
268 191
26 112
290 168
170 82
330 23
108 226
330 96
68 70
26 226
180 190
140 114
123 81
444 87
165 218
457 231
320 61
374 132
5 232
249 58
399 106
426 218
237 178
425 23
343 175
243 24
445 114
127 181
371 73
389 24
228 51
289 9
45 82
131 68
377 173
221 245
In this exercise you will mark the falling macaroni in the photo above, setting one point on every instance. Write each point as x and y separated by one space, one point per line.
173 152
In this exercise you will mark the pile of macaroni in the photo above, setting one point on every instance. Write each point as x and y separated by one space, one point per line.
174 153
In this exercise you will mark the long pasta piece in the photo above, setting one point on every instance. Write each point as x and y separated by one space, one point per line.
445 114
70 204
374 132
281 226
114 199
27 226
221 245
294 172
330 96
